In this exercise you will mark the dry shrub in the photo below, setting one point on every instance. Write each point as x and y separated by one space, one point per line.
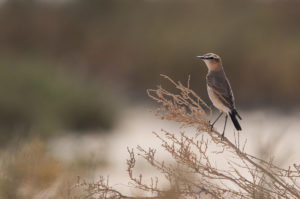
196 174
27 170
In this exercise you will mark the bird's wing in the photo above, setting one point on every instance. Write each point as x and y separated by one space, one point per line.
221 88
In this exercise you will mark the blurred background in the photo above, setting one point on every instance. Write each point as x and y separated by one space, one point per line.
74 74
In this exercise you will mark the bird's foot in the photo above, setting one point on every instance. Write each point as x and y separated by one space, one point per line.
211 125
222 137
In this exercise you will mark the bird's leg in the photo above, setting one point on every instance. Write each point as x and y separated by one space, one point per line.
212 125
226 117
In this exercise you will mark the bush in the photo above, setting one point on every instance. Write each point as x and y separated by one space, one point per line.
194 172
29 170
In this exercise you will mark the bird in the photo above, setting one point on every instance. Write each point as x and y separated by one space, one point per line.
219 90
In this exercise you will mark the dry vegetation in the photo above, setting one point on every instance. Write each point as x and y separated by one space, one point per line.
197 172
29 170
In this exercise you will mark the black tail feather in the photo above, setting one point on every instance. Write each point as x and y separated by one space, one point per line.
233 115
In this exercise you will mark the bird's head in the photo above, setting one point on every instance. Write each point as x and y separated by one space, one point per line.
212 61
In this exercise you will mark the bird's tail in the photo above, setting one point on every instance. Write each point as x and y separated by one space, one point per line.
233 113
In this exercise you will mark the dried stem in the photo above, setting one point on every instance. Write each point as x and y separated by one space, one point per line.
194 172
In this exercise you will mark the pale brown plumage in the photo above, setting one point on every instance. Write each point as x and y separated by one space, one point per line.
219 89
218 81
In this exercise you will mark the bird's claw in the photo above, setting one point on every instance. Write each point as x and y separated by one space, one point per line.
222 137
211 125
211 128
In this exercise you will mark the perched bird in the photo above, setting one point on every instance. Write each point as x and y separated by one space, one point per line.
219 90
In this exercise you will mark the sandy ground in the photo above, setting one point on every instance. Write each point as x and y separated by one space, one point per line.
267 130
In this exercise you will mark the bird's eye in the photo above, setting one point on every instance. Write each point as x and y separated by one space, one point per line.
211 57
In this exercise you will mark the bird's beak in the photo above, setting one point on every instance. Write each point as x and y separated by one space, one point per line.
200 57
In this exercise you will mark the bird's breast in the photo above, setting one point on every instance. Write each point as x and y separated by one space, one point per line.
216 101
